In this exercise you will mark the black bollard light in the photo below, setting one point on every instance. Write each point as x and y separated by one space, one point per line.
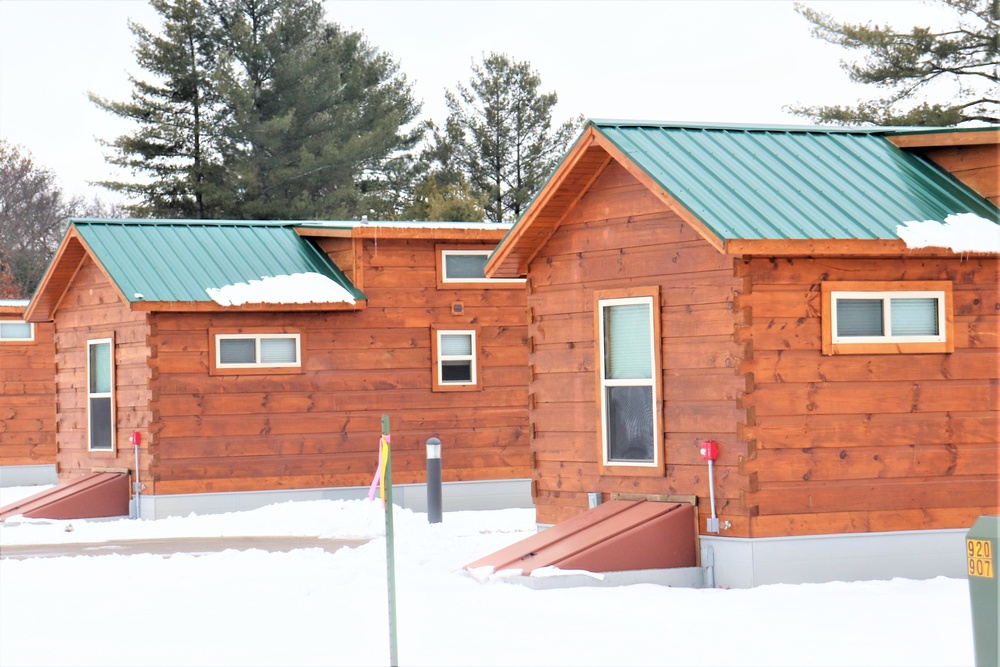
433 480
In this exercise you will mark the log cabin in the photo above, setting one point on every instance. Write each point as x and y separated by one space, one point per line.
28 406
752 287
228 365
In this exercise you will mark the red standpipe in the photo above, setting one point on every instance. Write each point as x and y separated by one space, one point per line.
710 452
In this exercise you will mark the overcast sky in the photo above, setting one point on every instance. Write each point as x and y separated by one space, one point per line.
715 61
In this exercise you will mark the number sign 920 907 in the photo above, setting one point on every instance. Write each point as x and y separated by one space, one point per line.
980 553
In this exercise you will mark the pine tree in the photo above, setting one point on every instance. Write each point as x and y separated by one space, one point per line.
444 193
318 115
176 145
499 135
307 119
447 202
914 65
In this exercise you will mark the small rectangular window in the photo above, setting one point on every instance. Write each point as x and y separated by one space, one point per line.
455 359
100 396
16 330
861 318
628 373
464 267
249 351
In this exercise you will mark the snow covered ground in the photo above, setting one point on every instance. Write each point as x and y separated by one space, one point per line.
310 607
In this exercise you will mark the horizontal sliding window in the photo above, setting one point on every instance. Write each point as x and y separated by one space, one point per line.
249 351
863 319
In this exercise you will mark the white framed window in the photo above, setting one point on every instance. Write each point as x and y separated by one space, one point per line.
16 330
628 372
455 354
882 317
261 350
462 265
100 395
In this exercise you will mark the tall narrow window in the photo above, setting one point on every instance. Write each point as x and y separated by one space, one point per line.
100 396
455 359
629 380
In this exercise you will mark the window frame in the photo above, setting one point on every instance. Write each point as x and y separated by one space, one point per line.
29 339
602 300
834 291
438 384
110 395
441 251
216 336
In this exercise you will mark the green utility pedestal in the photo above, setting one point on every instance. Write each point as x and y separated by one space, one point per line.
984 588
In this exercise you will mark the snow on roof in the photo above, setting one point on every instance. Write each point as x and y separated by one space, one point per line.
296 288
960 232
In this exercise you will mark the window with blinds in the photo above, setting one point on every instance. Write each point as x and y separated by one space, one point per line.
455 354
628 375
886 317
258 350
865 317
100 395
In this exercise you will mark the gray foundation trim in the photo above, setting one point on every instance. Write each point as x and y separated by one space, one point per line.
36 475
455 496
918 554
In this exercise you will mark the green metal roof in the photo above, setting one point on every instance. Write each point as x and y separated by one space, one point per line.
772 182
178 260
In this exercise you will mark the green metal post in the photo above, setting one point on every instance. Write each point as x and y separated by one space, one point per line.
982 543
390 550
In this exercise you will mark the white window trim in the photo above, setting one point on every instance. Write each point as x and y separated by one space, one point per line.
471 358
651 382
31 335
110 394
483 253
257 338
886 298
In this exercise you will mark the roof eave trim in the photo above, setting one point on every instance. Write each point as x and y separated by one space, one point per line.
499 259
837 248
213 307
44 293
661 192
977 137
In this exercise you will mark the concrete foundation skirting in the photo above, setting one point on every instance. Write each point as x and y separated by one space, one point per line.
917 554
28 475
455 496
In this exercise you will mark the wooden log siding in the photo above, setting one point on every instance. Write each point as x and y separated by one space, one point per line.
320 427
27 406
976 166
858 443
618 235
92 309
